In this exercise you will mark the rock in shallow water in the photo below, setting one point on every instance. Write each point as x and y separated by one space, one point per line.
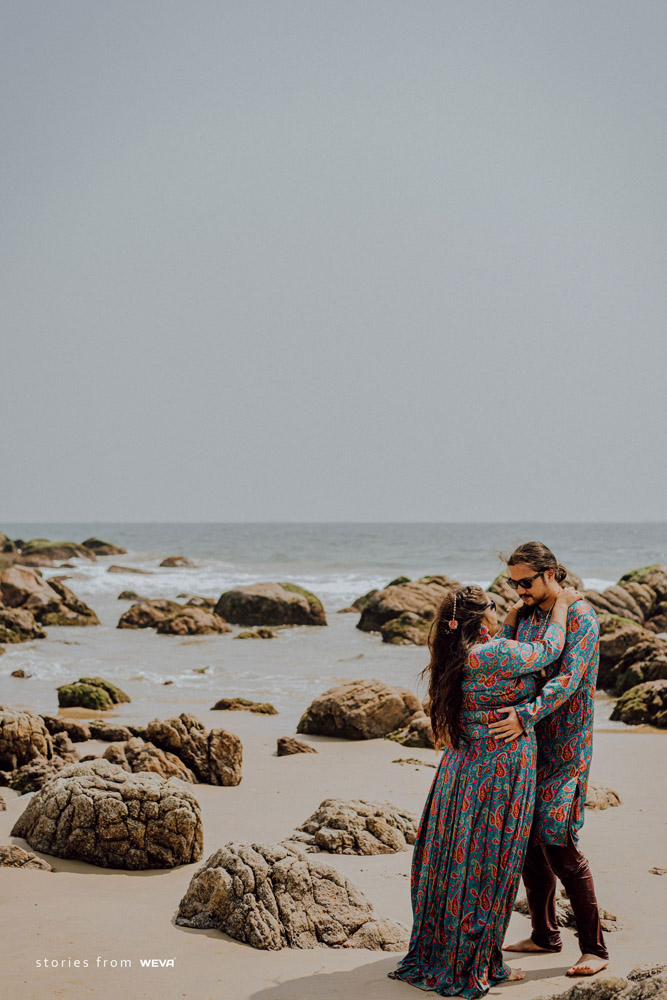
272 897
271 604
99 813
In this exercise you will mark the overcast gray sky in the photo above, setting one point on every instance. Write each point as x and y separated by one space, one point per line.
333 260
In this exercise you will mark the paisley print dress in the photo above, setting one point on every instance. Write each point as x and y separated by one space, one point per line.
474 829
562 718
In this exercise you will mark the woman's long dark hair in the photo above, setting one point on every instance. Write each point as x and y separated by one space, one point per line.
449 652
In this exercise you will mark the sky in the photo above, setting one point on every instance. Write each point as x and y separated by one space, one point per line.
343 260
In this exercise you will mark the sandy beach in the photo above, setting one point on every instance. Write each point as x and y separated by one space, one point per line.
93 914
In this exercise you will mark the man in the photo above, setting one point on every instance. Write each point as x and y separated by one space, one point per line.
562 715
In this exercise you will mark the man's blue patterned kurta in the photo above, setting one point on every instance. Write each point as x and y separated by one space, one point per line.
562 716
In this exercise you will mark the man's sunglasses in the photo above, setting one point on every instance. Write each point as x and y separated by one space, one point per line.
491 604
526 583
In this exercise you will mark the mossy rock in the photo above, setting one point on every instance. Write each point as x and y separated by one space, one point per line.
102 548
399 580
408 629
645 704
84 696
314 602
637 575
115 693
244 705
56 550
128 595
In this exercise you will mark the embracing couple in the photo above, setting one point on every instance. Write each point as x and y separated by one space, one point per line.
512 706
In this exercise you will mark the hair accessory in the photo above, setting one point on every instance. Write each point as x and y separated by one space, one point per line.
453 624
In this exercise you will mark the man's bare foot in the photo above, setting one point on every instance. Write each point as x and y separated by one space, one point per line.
588 965
527 945
514 975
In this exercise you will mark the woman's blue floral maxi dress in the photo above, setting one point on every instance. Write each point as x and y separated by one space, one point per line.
474 830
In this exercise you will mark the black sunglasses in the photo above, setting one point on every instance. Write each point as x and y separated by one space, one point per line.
526 583
491 604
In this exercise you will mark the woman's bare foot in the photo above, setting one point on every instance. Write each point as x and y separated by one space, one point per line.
588 965
527 945
514 975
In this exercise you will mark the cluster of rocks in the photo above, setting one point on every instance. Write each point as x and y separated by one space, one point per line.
273 896
261 604
44 552
29 753
28 603
402 612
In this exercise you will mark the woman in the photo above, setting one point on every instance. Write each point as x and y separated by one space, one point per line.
474 830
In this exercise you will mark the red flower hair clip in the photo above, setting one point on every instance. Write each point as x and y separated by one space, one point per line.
453 624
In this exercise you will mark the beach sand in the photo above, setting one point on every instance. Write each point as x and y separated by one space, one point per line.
82 912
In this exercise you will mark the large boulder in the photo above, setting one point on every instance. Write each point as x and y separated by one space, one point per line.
421 599
192 621
148 614
645 661
93 693
409 629
97 812
101 548
271 604
272 896
17 625
617 636
215 757
360 710
640 595
136 755
23 737
50 603
42 551
644 704
358 827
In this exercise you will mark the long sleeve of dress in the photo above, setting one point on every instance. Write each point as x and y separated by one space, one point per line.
505 658
579 646
506 632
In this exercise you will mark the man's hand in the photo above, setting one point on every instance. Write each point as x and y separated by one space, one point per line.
506 729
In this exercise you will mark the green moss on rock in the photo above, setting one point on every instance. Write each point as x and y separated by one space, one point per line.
314 602
115 693
84 696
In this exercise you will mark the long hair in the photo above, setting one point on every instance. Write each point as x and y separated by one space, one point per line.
449 651
537 555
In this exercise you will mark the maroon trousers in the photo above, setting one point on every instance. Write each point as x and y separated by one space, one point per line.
544 864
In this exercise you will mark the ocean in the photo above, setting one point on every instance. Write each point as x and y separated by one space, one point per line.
338 562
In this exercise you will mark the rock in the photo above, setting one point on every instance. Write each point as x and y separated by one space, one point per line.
129 569
109 733
640 595
132 595
413 760
34 775
641 984
215 758
358 827
418 733
565 916
408 629
273 897
77 731
20 673
421 598
600 987
12 856
347 611
3 804
23 737
42 548
645 661
91 692
360 603
192 621
101 548
180 561
148 614
643 972
244 705
600 797
288 745
644 704
271 604
657 871
258 633
50 603
360 710
617 636
99 813
135 755
201 602
17 625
